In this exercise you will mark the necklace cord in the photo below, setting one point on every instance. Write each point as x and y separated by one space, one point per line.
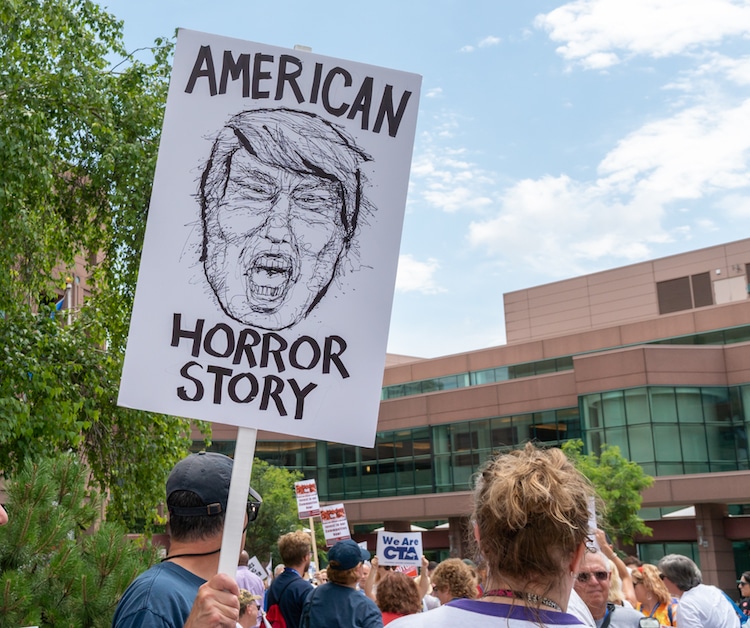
522 595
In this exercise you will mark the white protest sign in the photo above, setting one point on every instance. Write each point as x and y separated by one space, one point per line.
335 523
593 524
307 499
269 260
399 548
257 568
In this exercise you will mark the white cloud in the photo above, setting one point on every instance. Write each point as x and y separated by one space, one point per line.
595 33
489 41
416 276
444 176
485 42
560 226
435 92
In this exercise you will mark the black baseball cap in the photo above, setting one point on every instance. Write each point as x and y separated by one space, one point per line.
207 475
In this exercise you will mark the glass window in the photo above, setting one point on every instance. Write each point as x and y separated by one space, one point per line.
636 406
545 366
521 370
663 405
384 445
693 439
486 376
641 444
545 427
405 476
502 374
441 438
618 436
503 432
443 480
421 442
592 405
423 475
569 422
667 443
522 426
386 479
689 405
716 405
613 408
720 439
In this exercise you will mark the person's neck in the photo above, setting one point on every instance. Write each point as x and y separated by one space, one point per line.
598 612
300 569
198 557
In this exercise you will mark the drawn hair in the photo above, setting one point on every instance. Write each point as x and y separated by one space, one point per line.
531 513
648 576
398 593
296 141
456 577
294 547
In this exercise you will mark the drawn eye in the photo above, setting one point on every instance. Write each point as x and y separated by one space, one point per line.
316 198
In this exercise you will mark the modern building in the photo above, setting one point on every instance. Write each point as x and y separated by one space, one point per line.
653 357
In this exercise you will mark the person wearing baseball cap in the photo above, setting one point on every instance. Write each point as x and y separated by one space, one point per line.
338 603
184 590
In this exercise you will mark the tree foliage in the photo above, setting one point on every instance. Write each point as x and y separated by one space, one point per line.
79 130
278 514
54 570
618 483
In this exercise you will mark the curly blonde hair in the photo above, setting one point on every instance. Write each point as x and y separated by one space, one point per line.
648 576
456 577
531 511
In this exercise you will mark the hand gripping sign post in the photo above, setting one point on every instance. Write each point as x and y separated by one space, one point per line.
269 261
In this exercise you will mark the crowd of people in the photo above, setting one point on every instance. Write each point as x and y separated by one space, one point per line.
539 566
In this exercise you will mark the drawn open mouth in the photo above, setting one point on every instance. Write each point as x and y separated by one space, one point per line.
269 276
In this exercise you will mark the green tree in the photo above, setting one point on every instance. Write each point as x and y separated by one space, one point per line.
54 569
278 514
619 483
79 128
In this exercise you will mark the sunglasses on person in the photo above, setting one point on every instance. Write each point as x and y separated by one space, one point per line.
584 576
743 583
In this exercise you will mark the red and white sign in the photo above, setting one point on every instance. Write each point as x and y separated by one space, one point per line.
335 524
307 499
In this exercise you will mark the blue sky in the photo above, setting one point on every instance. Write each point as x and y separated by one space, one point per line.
554 138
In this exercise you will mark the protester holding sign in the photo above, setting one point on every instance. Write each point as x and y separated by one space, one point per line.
338 604
531 525
184 590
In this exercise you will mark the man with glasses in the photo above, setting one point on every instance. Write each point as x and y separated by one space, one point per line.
701 605
592 584
184 589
